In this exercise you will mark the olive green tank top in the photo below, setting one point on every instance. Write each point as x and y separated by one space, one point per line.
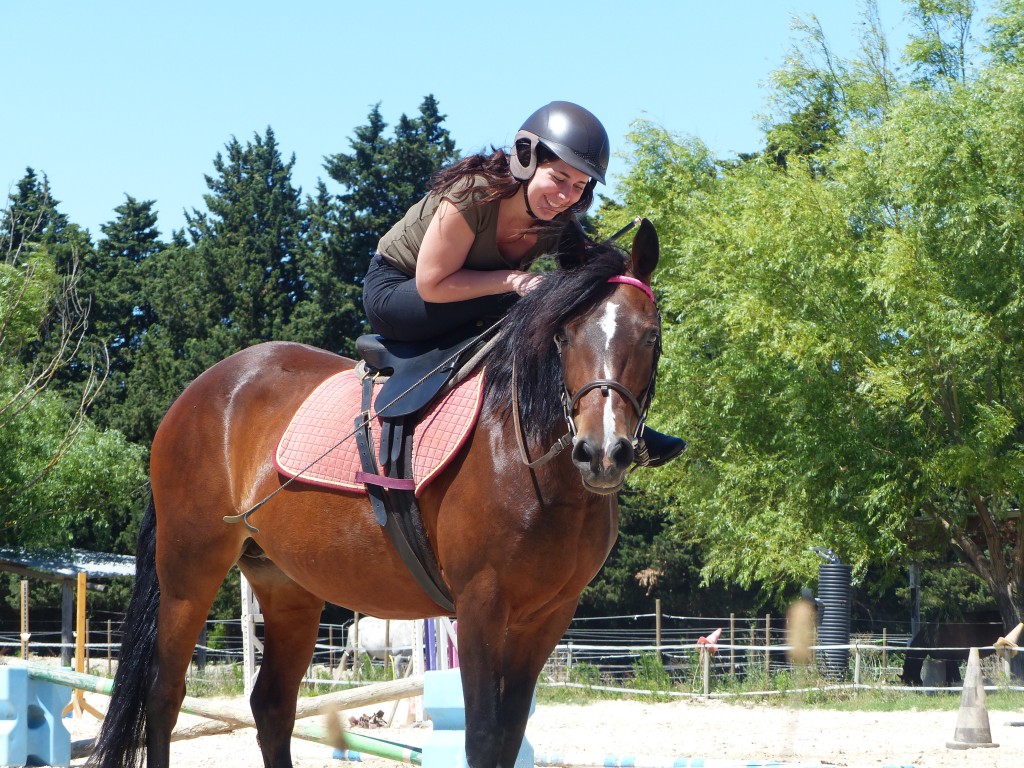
401 245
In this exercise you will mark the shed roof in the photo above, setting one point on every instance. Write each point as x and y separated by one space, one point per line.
54 565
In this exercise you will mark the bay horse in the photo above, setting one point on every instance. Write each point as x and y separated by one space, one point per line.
516 544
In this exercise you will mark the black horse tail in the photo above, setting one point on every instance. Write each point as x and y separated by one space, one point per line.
122 735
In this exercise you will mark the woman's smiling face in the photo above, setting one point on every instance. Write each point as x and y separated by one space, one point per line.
554 188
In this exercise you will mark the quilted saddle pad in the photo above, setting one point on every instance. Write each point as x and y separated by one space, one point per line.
319 445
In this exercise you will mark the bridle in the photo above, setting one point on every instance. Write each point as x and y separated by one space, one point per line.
641 405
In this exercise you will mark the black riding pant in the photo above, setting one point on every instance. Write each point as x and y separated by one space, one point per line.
396 310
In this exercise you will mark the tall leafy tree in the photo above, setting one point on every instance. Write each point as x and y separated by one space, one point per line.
845 346
380 178
940 51
32 216
1005 41
120 313
61 479
43 317
232 279
249 244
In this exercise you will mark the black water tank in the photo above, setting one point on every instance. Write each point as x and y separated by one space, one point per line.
834 629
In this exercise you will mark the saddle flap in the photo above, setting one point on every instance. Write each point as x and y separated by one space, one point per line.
402 395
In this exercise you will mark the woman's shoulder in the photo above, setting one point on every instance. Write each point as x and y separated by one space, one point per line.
471 190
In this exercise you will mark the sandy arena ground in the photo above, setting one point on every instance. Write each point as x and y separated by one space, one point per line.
707 729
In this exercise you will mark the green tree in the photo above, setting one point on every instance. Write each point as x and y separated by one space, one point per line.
43 320
380 178
1005 41
120 314
817 96
939 52
231 281
844 348
61 479
249 245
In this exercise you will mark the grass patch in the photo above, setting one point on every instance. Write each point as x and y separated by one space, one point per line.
216 680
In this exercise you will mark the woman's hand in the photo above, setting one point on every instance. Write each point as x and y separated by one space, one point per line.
524 282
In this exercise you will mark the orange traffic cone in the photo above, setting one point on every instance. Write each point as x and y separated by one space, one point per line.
972 728
1006 647
710 642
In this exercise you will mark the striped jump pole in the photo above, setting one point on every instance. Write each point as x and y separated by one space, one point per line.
582 760
229 718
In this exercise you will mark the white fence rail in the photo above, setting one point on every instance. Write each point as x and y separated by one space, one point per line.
644 653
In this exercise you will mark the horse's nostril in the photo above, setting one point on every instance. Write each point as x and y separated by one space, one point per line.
582 453
621 453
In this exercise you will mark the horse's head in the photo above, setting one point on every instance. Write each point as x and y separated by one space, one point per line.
609 356
581 351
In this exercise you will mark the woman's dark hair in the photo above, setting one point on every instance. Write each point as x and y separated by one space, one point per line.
499 180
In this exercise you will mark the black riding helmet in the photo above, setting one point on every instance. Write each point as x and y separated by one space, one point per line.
571 132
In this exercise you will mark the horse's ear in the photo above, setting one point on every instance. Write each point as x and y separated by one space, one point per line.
572 246
646 251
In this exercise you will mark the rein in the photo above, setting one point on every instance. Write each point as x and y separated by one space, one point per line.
605 385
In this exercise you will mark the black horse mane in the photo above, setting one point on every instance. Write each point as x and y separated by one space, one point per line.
526 338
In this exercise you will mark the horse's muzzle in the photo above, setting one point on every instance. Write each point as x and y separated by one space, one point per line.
603 471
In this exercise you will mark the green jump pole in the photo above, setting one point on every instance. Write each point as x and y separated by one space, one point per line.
355 742
70 678
368 745
105 686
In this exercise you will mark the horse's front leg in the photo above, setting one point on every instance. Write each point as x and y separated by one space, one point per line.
500 666
527 650
482 624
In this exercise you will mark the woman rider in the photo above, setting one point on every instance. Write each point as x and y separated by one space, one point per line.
460 254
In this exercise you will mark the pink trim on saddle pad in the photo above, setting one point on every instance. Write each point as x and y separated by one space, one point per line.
321 434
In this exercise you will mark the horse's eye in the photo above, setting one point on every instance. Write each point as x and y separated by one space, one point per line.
561 339
652 337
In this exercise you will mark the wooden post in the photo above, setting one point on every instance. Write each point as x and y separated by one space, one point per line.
705 659
387 646
24 619
355 646
201 650
885 653
750 647
732 644
330 648
657 625
856 665
252 615
78 702
80 625
767 645
67 622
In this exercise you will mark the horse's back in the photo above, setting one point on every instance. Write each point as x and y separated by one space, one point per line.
287 370
228 420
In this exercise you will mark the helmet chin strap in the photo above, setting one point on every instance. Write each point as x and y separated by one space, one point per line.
526 199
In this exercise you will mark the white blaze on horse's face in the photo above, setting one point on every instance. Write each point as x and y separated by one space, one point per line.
608 325
609 361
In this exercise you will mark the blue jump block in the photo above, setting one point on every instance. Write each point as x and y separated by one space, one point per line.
31 729
443 703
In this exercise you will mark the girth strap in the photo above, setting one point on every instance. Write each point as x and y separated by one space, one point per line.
394 503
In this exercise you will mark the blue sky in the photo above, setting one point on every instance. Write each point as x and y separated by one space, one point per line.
110 98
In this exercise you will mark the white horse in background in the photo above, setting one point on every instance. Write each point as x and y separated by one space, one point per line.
379 638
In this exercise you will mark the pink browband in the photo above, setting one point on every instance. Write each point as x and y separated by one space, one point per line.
627 280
